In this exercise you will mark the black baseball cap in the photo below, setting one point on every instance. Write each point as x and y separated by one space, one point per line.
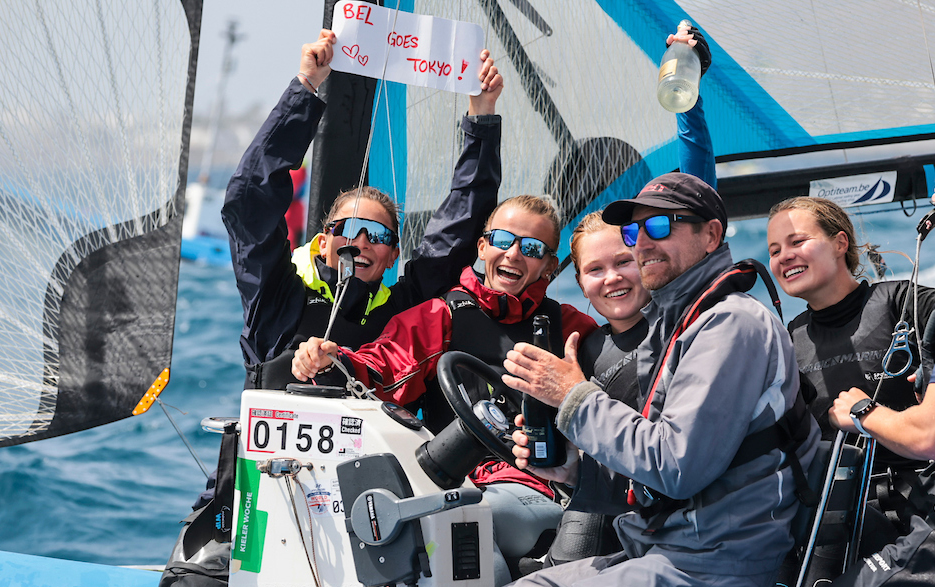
672 191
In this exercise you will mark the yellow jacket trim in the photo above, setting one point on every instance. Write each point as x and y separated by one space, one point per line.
303 257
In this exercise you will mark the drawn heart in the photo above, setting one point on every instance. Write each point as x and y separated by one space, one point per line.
351 51
363 59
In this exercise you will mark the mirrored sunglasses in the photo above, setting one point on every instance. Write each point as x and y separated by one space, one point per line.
377 233
657 227
528 246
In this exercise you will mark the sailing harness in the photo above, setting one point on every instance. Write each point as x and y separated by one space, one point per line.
786 434
902 493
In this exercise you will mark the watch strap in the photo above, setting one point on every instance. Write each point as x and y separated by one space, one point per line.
855 417
859 426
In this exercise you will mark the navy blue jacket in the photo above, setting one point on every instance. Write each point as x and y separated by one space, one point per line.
259 193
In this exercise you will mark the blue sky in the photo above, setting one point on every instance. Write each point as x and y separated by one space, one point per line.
265 60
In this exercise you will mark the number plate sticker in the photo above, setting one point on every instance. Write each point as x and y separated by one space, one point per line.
323 497
329 436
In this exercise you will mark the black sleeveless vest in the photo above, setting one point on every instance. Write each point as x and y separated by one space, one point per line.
476 333
836 359
610 361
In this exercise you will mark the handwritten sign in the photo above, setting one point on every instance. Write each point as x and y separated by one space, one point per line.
417 50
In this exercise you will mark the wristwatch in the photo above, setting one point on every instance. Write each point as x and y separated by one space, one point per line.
859 410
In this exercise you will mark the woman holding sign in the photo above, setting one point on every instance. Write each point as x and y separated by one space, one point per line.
485 315
288 300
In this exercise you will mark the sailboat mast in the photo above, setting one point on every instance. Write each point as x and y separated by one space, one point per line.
217 108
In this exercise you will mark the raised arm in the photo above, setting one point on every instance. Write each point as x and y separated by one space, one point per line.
450 241
696 152
258 195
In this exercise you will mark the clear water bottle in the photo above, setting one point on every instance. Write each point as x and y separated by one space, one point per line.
546 443
679 74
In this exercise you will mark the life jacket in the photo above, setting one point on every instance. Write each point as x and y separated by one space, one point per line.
835 359
476 333
787 434
364 315
610 361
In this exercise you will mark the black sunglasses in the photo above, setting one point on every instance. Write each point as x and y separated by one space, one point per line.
657 227
528 246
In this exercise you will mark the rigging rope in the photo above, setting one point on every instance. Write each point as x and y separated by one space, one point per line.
899 342
298 524
178 430
926 40
373 119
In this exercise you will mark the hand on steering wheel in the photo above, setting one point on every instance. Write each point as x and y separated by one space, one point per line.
452 385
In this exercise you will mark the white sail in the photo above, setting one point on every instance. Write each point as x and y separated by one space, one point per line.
94 118
581 121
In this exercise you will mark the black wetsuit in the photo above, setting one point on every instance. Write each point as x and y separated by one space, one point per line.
843 346
610 361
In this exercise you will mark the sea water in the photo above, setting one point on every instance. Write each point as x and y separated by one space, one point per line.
116 494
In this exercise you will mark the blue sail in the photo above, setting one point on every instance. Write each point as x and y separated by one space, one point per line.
581 122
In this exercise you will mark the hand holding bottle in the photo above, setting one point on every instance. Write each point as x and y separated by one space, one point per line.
566 473
681 68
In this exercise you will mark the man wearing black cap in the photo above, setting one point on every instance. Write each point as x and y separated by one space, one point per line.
712 507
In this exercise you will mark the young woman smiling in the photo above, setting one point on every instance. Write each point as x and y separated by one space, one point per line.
609 278
843 336
485 315
287 300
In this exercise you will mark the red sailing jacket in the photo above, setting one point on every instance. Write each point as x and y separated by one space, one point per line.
407 352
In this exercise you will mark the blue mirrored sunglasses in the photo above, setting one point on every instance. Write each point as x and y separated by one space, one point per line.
657 227
377 233
528 246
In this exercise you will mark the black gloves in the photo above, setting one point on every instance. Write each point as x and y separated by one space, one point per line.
704 52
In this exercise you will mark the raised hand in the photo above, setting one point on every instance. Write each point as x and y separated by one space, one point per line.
314 65
491 84
541 374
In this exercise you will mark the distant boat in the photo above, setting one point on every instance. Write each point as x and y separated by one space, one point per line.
204 238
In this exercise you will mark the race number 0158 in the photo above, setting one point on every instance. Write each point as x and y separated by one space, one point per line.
287 433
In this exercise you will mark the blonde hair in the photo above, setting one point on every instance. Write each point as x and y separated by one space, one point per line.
831 219
366 193
535 205
589 225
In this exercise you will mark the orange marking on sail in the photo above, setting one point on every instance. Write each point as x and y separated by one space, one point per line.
152 393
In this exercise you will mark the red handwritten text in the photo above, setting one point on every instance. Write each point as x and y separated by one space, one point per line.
404 41
439 68
362 13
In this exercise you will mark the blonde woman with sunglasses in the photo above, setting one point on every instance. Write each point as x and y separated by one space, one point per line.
287 300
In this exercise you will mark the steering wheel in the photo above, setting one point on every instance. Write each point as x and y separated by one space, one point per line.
451 384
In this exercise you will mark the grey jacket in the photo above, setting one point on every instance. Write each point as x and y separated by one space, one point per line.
731 373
